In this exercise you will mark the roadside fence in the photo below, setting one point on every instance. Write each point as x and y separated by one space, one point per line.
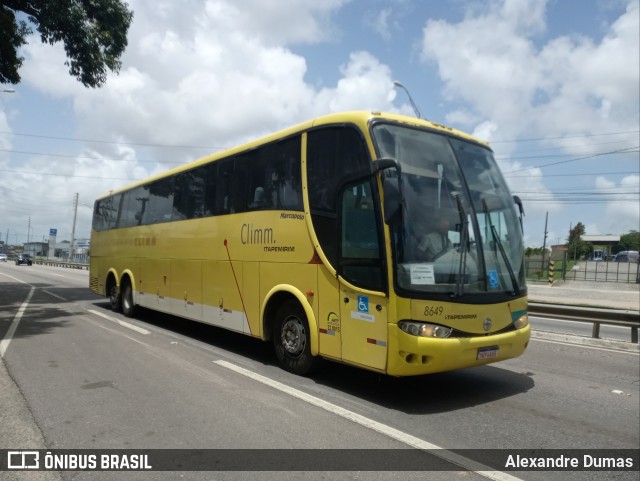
537 269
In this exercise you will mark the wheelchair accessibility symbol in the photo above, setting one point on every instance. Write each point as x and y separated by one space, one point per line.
363 304
494 282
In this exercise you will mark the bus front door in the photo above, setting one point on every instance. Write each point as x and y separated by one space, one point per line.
363 319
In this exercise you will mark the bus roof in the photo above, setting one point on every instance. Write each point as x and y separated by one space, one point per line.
359 117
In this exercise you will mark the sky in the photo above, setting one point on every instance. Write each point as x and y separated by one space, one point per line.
552 85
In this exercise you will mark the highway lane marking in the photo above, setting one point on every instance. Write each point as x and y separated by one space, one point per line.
4 344
405 438
14 278
119 333
54 295
122 323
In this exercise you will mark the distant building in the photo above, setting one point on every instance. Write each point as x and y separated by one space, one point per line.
36 249
602 245
601 240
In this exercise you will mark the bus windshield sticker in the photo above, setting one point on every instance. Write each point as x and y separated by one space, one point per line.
422 274
493 279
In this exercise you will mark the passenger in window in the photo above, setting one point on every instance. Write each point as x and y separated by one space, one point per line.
259 199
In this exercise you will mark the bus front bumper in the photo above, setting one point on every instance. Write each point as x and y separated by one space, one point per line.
412 355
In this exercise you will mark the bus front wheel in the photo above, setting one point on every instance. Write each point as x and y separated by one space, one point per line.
292 341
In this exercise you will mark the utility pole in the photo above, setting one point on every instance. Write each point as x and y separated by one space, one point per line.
544 242
73 229
28 230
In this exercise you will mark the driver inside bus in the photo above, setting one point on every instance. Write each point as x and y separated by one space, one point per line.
431 245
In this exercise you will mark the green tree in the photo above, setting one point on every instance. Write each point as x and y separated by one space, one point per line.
94 33
533 251
576 247
630 241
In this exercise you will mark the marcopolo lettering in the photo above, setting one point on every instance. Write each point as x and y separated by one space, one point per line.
291 215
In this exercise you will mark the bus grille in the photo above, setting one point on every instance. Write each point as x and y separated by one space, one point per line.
93 284
457 333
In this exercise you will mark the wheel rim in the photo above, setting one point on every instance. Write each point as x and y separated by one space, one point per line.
113 296
126 299
293 336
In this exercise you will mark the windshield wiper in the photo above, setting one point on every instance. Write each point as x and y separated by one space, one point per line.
514 282
464 223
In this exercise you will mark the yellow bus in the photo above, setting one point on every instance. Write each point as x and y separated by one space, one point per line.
378 240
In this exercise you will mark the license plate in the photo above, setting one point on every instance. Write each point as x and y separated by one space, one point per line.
487 352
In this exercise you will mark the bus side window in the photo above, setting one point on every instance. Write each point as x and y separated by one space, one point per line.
210 174
159 199
188 200
334 154
224 186
360 256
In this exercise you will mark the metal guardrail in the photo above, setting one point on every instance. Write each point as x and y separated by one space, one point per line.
597 316
69 265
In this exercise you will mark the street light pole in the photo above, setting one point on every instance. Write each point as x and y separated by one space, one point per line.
73 230
399 84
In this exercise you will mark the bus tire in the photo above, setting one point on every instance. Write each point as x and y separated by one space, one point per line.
291 339
114 298
128 307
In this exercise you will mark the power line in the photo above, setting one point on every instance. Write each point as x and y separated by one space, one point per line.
76 139
576 174
574 160
70 175
564 137
555 156
564 147
91 158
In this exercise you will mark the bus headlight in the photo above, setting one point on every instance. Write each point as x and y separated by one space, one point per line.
423 329
522 321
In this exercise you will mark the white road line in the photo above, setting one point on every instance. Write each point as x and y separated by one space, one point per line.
122 323
4 344
119 333
14 278
54 295
405 438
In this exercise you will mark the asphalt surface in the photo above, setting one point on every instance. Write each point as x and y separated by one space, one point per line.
19 430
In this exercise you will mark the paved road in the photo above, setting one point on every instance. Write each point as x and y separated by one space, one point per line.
83 377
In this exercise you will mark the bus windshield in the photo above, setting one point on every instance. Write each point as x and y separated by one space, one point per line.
458 232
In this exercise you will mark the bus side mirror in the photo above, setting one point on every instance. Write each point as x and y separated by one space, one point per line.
518 202
392 190
392 200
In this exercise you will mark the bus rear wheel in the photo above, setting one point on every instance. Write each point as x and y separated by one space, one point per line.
114 298
291 339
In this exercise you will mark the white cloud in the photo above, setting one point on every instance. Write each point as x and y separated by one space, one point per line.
366 84
212 75
380 22
206 74
490 60
623 214
512 87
